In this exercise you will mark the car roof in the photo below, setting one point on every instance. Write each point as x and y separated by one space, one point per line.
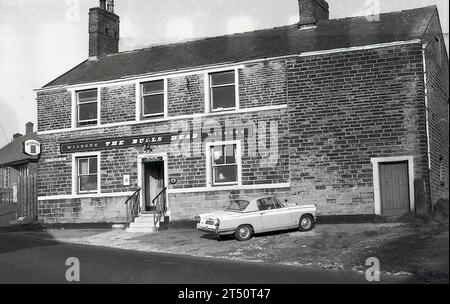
251 198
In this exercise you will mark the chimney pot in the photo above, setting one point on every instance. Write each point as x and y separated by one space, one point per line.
103 4
111 6
312 12
29 128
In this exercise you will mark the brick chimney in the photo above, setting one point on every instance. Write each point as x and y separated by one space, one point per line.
29 128
312 12
103 30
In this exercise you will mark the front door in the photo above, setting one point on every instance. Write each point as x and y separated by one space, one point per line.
153 183
394 188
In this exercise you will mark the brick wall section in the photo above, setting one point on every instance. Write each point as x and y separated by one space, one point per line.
87 210
263 84
345 109
55 174
118 104
54 109
436 62
188 205
186 95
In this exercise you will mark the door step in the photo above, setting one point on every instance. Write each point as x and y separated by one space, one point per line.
142 230
145 223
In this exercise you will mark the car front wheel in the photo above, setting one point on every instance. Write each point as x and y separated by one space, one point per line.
244 233
306 223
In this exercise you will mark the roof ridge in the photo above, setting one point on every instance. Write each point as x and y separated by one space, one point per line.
156 46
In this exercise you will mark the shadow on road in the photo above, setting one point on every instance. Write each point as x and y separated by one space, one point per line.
11 240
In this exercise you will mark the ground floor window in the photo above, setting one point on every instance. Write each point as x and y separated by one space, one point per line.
225 164
87 174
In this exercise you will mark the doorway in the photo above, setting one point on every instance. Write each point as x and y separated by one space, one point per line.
153 184
394 188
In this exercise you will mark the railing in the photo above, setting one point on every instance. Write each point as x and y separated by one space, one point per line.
133 206
161 206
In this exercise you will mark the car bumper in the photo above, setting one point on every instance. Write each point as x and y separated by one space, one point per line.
215 231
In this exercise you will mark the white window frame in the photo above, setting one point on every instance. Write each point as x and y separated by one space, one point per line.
75 104
209 166
75 182
376 179
140 100
208 90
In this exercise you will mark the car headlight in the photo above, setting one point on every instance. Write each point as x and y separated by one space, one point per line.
197 219
217 224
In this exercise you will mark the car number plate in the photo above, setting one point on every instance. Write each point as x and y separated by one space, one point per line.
209 222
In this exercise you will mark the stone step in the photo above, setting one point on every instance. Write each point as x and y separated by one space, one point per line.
142 230
142 225
144 219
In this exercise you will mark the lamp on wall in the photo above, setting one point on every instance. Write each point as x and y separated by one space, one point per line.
148 148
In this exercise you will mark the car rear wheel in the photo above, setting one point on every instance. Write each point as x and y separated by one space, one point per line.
244 233
306 223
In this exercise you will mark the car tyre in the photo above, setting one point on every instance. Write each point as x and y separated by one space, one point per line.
306 223
244 233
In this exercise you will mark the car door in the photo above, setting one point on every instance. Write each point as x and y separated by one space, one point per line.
272 216
285 215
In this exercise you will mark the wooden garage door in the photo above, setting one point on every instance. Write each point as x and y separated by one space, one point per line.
394 188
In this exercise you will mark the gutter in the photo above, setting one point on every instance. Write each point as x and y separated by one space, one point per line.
427 118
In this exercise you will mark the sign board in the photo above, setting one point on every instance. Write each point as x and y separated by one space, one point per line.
119 142
126 180
148 140
32 147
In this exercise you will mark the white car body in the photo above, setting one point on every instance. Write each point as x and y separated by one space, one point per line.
284 218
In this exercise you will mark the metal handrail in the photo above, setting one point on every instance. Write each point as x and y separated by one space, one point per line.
133 206
161 209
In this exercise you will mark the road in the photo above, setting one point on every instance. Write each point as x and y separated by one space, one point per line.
29 260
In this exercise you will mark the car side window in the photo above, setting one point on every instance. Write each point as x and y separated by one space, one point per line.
277 203
266 204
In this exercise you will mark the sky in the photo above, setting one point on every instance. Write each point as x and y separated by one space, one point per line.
40 40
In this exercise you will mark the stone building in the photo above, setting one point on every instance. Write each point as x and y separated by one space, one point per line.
349 114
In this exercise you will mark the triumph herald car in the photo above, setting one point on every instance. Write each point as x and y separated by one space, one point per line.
245 217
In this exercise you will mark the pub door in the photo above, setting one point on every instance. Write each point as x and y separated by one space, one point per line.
153 184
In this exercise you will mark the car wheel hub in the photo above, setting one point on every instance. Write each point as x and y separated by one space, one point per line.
243 232
305 223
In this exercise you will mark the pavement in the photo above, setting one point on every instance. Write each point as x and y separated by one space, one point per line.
8 213
26 259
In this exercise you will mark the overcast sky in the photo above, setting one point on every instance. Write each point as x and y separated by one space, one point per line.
40 40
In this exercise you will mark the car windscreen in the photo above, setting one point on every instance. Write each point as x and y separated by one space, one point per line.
238 205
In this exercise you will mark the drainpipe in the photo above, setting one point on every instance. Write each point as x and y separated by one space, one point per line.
427 117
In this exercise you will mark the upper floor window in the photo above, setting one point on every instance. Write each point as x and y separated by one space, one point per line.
87 108
223 91
153 97
87 174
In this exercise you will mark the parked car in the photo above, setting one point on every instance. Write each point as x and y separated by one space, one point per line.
245 217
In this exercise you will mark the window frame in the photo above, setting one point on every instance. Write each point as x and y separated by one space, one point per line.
163 93
209 100
78 122
76 176
211 183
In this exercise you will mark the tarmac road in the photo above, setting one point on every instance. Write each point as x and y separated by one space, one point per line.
30 260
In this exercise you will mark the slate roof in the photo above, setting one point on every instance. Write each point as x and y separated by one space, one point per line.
274 42
12 154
